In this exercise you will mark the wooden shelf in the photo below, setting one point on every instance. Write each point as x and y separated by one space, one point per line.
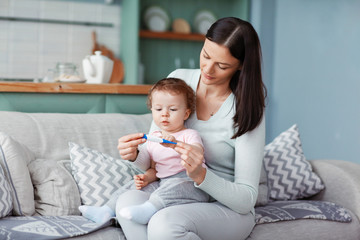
172 36
73 88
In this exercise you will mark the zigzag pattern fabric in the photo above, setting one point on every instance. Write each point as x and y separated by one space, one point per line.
5 195
290 175
98 175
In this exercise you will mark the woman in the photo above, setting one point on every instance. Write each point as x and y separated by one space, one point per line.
230 102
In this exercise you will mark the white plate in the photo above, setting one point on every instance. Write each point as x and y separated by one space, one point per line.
203 20
156 19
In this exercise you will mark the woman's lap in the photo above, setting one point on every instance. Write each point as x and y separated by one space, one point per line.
132 230
205 221
200 221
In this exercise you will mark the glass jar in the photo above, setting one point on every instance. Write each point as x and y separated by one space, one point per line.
65 70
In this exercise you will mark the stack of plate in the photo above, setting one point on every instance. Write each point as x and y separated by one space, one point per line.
156 19
203 20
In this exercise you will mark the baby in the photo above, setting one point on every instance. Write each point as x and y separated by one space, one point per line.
171 102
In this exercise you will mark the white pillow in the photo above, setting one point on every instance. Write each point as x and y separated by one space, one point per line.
98 175
5 195
290 175
14 158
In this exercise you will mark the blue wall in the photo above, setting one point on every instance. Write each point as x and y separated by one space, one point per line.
311 53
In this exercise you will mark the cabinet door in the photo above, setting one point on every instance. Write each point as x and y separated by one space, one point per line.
52 103
74 103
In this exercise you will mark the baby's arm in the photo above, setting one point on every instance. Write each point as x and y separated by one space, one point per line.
142 180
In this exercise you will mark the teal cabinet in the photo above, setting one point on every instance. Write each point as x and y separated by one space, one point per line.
73 98
129 44
162 55
73 103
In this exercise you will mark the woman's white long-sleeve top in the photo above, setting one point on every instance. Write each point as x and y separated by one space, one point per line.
234 165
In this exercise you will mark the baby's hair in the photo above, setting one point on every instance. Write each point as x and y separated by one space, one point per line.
174 86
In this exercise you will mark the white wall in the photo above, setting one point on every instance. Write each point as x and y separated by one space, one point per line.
28 49
312 70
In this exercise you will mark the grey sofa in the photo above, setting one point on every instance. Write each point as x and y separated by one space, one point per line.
47 135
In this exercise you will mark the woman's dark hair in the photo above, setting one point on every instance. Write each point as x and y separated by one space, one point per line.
250 92
174 86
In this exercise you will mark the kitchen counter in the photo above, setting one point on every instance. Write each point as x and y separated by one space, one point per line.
60 87
62 97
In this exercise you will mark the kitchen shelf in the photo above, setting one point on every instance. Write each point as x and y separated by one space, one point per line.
73 88
160 53
172 36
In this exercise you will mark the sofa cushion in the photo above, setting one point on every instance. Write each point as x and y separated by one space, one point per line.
290 175
98 175
301 209
14 158
56 192
5 195
48 134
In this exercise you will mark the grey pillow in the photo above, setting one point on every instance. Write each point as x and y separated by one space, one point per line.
14 158
301 209
56 193
98 175
290 175
5 195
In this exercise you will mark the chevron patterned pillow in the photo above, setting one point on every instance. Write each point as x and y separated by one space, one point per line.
5 195
98 175
290 175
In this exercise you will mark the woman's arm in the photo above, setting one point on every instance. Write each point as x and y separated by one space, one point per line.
241 194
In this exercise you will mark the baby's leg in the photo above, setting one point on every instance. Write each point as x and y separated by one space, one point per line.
177 190
172 191
143 212
106 212
139 213
97 214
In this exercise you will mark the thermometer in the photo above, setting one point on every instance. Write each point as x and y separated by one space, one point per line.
157 139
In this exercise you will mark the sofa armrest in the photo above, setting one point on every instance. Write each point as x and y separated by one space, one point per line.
342 183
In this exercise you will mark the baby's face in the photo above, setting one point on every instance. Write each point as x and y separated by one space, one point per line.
169 111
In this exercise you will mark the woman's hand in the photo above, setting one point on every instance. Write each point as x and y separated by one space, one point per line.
128 144
192 159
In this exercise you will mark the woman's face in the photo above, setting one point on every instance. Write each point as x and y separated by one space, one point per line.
217 64
169 110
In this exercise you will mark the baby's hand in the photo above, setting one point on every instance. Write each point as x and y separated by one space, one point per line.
169 138
140 181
